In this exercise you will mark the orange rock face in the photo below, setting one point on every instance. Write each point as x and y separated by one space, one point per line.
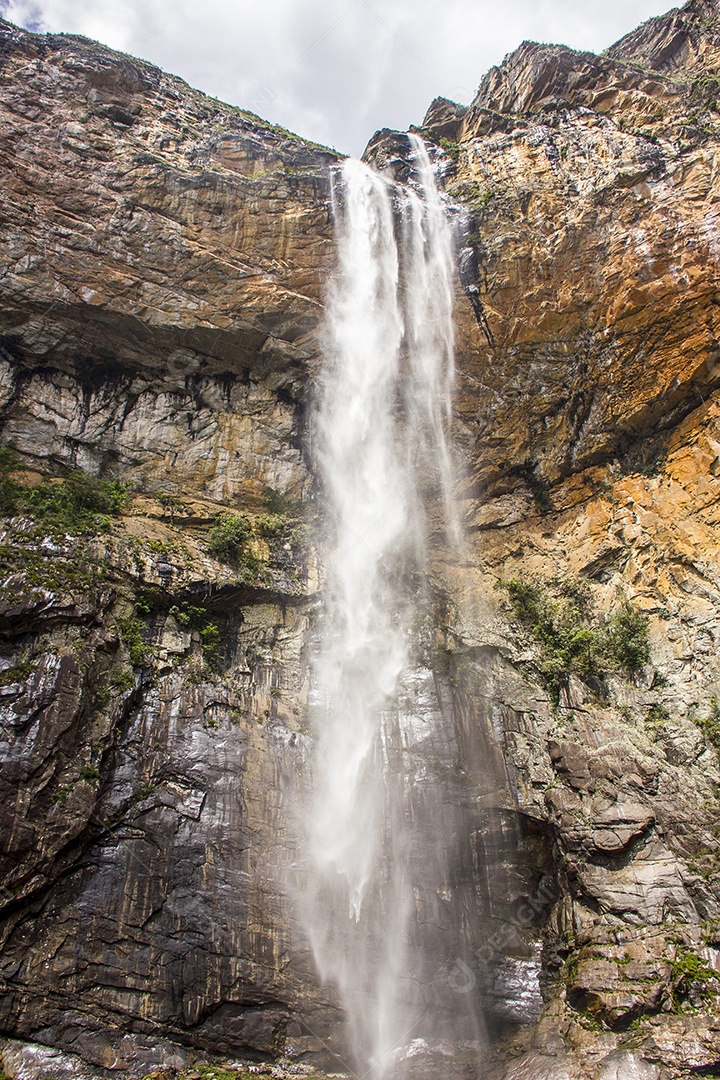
591 186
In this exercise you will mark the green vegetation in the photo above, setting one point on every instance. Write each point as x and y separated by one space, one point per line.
570 968
285 520
277 503
28 566
658 715
222 1071
470 191
210 645
60 797
271 526
149 602
101 697
443 661
473 193
194 674
573 639
196 618
17 673
451 148
540 491
166 548
705 863
206 1072
132 631
690 970
482 199
78 503
122 678
628 638
230 541
710 725
705 89
187 616
172 505
10 490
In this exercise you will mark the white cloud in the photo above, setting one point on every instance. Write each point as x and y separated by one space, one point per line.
334 70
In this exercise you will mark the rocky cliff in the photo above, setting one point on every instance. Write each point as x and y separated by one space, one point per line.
164 262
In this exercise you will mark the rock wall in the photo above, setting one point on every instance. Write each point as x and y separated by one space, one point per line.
164 262
588 415
165 258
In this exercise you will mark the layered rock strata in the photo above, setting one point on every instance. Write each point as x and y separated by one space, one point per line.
165 258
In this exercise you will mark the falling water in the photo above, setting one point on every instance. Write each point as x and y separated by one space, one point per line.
429 330
381 430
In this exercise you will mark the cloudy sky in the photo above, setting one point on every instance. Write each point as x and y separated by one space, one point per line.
334 70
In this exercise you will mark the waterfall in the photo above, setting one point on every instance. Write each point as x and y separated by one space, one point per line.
430 333
381 430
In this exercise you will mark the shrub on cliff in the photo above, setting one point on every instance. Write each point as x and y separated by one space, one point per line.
80 503
196 618
77 503
573 639
230 541
628 638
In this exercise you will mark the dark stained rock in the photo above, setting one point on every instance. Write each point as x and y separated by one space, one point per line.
443 119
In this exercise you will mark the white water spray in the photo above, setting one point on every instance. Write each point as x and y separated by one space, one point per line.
382 446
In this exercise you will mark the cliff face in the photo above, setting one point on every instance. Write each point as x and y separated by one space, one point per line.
164 264
163 258
588 413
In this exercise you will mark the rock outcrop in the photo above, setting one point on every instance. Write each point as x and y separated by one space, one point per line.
164 264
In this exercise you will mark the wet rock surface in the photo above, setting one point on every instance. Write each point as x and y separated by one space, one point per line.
165 258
